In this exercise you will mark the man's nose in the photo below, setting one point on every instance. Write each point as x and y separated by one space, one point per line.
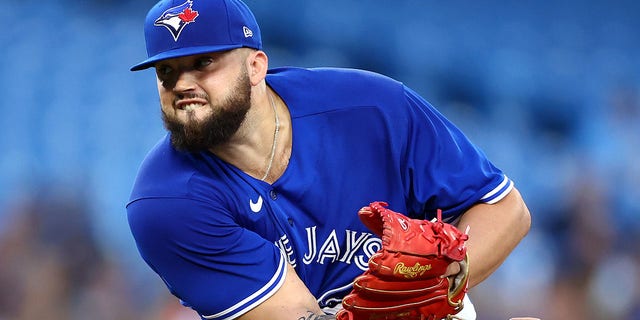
185 81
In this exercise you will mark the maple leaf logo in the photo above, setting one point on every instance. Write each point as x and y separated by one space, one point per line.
176 18
188 15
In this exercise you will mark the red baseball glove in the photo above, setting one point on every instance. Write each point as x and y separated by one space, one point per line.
405 277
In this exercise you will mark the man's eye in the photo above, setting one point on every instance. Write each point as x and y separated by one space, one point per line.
164 70
200 63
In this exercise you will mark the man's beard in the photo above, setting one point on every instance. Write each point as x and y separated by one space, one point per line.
218 127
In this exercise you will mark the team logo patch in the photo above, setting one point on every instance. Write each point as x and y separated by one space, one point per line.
176 18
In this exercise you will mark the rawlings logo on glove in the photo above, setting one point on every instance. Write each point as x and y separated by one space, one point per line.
410 272
404 280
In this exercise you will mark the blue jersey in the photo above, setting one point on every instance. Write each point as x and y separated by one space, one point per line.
220 239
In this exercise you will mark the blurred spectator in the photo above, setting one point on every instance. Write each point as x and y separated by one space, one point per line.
51 266
49 256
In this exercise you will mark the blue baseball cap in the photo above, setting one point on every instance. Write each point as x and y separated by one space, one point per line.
187 27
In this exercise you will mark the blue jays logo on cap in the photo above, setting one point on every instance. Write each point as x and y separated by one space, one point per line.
176 18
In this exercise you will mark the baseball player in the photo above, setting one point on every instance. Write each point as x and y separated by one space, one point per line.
251 206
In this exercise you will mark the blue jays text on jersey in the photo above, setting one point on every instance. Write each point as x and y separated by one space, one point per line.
220 238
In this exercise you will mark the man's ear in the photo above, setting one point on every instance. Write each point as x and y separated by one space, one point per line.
257 65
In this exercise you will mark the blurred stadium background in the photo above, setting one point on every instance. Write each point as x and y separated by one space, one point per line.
549 89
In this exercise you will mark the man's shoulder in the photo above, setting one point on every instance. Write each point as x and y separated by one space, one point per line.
316 90
167 172
329 76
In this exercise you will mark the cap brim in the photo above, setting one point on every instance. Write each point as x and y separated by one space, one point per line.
181 52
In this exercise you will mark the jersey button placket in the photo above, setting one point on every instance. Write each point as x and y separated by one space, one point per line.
274 196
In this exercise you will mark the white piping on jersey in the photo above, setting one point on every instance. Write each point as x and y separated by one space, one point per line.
279 276
497 189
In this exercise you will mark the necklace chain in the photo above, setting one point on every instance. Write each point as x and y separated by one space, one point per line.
275 138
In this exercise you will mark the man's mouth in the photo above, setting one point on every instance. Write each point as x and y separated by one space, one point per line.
190 106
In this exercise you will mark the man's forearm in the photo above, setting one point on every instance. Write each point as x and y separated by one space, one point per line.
495 230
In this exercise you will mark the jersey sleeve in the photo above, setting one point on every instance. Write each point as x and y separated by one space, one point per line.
198 250
444 169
